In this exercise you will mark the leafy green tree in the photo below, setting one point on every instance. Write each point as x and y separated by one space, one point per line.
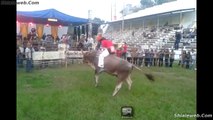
158 2
150 3
98 21
147 3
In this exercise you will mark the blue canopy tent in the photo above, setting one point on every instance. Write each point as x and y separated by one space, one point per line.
42 16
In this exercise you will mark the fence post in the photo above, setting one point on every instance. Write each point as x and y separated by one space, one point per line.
65 58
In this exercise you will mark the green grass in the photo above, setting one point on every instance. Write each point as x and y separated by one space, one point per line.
69 94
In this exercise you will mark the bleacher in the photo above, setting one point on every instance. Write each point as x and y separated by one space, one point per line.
164 37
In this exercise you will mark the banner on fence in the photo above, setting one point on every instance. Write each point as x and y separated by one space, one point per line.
49 55
55 55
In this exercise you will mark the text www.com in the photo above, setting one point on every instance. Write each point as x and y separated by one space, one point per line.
28 3
19 3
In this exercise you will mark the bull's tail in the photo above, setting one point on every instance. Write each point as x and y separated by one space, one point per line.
148 75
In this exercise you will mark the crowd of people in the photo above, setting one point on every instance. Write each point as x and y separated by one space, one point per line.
141 57
162 57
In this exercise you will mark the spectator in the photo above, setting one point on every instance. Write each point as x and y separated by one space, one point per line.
57 39
180 58
44 36
188 59
172 57
147 58
183 61
133 33
17 57
155 57
161 55
32 35
81 44
193 62
129 56
29 57
166 54
140 57
124 52
90 41
119 52
21 55
177 40
151 57
42 48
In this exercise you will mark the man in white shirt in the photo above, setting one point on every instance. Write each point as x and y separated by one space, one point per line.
21 55
29 57
193 63
90 40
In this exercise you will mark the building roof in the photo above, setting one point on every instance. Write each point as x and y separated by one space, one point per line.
163 8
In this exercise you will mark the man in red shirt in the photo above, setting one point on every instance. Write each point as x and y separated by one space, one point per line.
119 52
106 48
124 51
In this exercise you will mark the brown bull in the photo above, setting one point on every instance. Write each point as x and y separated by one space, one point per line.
115 66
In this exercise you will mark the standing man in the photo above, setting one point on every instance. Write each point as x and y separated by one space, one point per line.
124 53
177 40
29 57
172 58
90 42
193 62
166 56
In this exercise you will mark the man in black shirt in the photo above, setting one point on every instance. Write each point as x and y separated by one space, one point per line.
177 40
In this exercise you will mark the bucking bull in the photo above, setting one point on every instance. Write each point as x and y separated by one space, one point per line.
115 66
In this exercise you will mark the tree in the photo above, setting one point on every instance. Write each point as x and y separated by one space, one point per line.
147 3
158 2
150 3
98 21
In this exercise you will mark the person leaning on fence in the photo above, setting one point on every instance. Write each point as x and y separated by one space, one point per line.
17 57
188 59
155 57
172 58
161 56
180 58
193 62
90 42
183 61
29 57
151 57
166 55
147 58
124 52
140 57
20 56
119 52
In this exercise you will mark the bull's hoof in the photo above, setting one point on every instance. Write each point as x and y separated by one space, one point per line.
100 70
113 94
